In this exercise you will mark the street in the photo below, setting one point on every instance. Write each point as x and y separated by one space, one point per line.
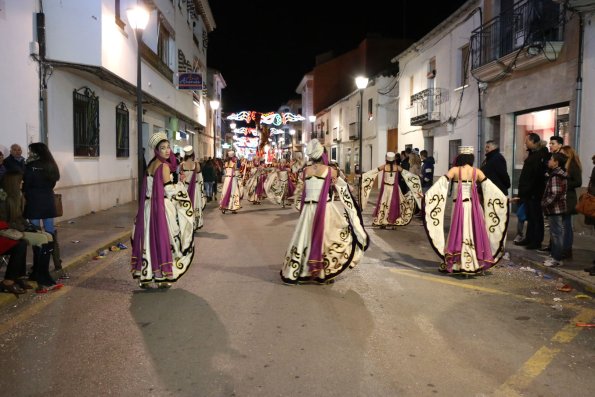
393 326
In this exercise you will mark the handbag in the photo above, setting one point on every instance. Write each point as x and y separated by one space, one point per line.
58 204
586 204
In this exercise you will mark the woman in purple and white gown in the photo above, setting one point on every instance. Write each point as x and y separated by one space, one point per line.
394 207
475 241
163 235
194 184
230 194
329 236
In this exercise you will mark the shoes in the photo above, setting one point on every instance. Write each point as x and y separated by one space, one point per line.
24 284
44 289
522 242
590 270
12 287
544 250
567 254
518 238
164 285
551 262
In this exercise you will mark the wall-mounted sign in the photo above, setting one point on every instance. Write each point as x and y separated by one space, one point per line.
190 81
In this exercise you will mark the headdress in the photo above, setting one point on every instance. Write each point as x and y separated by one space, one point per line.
188 150
390 156
314 149
465 149
156 138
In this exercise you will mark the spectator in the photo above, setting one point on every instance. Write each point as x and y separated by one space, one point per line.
531 188
574 170
556 143
2 167
209 176
15 270
405 159
554 206
494 167
11 183
414 164
427 170
39 180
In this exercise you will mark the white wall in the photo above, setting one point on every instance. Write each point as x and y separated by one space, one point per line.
19 80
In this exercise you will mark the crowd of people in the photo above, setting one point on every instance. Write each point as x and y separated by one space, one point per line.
330 235
27 212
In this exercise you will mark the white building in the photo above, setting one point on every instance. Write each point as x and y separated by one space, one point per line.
86 79
437 96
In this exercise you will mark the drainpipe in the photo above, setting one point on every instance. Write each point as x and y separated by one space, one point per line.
579 84
43 106
479 124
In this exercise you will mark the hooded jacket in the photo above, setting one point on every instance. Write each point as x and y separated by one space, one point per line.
427 171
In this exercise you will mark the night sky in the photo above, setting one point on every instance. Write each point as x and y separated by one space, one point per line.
263 48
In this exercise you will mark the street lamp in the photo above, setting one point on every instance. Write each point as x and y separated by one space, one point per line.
138 18
214 105
361 83
312 120
292 133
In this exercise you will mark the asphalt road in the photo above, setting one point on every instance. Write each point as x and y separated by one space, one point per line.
394 326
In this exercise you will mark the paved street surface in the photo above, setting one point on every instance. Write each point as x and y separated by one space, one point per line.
394 326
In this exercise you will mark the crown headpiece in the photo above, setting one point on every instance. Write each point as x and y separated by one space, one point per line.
156 138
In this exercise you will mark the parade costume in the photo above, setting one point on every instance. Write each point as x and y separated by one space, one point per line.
280 186
195 185
230 194
393 208
329 236
252 180
163 238
477 234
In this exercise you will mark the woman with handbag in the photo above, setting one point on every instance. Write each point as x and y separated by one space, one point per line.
574 171
39 180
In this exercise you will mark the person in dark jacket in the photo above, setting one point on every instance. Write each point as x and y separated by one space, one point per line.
589 220
531 188
14 166
39 180
574 171
494 167
427 170
209 176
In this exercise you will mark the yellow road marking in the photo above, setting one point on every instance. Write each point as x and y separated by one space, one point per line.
544 356
50 297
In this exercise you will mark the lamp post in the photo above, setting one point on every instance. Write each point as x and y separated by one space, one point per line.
312 119
361 83
214 106
138 18
292 133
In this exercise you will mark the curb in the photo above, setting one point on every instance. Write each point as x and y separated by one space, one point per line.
576 282
6 298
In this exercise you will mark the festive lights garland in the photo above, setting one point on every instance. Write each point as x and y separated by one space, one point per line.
266 118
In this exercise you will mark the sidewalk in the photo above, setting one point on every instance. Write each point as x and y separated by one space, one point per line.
82 238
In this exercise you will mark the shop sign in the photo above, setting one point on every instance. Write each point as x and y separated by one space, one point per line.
190 81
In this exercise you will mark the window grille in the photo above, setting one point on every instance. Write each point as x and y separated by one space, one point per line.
122 131
86 122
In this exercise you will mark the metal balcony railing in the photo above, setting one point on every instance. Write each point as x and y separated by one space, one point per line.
528 23
425 106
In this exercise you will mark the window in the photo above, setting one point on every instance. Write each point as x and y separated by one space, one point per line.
86 122
463 78
122 131
163 44
118 13
370 109
411 90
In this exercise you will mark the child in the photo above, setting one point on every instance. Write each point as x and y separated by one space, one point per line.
554 206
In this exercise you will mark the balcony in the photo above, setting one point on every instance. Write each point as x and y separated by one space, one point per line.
524 36
425 106
353 131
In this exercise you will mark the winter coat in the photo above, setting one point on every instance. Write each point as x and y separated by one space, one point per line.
554 196
591 190
38 190
494 168
532 179
427 171
575 180
208 173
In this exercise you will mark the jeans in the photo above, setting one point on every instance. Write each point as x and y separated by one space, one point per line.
568 233
48 224
209 189
557 235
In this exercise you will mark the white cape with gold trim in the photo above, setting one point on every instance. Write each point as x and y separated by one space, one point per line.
407 201
495 210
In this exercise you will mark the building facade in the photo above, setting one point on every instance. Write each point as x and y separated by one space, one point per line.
76 63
